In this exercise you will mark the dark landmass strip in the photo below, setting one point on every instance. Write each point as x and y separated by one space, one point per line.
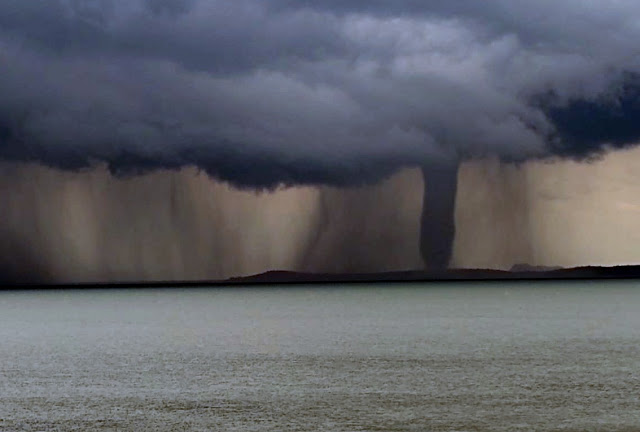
576 273
286 277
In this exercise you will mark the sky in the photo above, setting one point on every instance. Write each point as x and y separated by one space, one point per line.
65 226
270 93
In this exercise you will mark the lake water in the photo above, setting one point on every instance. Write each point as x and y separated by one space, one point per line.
431 357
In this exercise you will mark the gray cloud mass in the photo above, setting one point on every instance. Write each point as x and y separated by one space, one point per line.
271 92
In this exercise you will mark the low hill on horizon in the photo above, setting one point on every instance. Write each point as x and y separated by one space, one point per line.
520 272
530 273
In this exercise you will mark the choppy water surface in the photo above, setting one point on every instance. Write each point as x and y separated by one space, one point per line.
494 357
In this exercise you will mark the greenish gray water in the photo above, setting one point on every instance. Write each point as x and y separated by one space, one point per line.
441 357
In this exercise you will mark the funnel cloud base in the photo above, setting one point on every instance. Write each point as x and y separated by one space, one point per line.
437 229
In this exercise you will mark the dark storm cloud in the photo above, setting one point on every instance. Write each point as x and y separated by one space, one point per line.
582 126
279 91
212 36
170 7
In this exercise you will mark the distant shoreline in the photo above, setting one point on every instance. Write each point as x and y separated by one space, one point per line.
472 275
411 276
